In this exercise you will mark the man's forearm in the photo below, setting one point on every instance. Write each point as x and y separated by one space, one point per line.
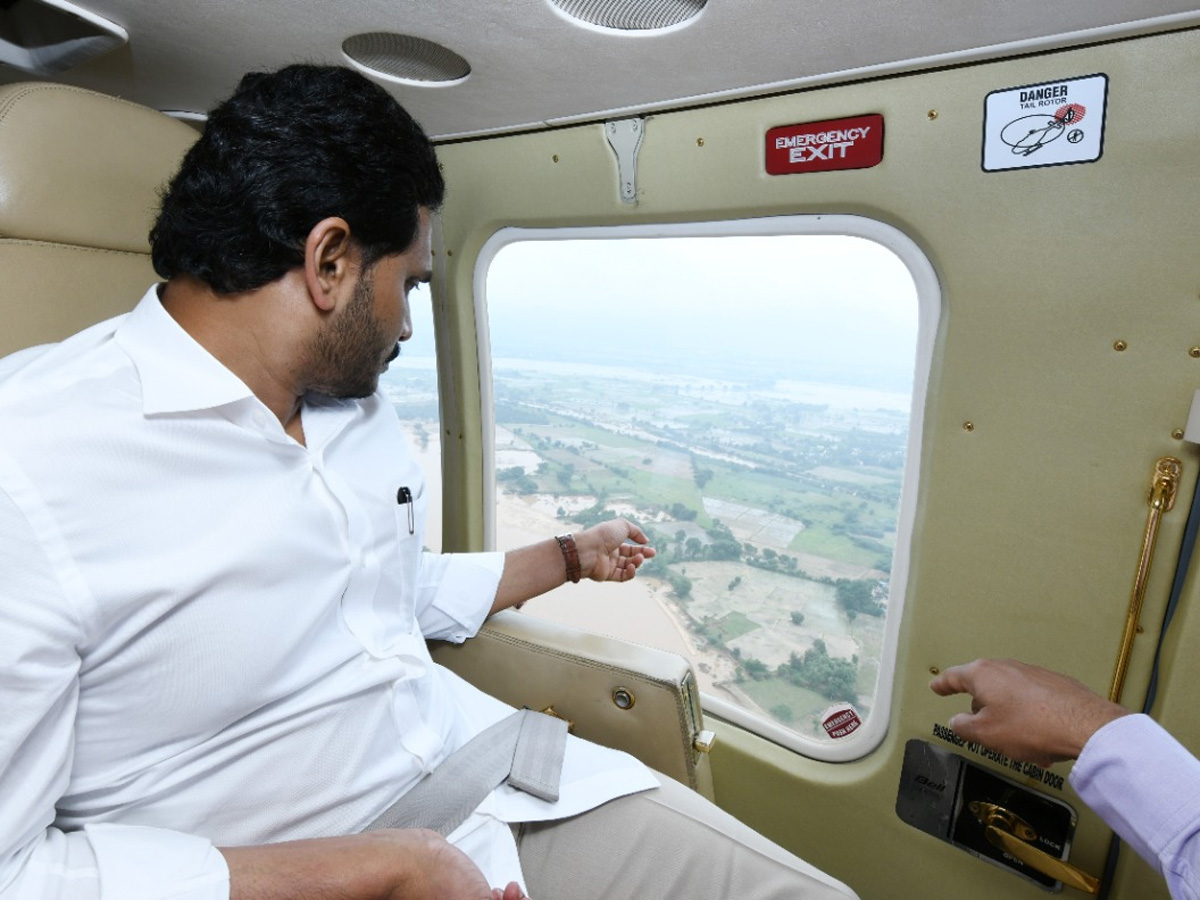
408 864
610 551
529 572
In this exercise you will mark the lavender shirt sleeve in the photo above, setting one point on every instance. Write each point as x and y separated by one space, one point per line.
1146 786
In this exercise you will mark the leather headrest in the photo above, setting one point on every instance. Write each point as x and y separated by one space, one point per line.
82 168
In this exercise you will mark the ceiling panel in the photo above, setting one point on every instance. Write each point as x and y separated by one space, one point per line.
531 64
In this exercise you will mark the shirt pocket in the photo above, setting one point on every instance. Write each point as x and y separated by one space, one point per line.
406 540
411 503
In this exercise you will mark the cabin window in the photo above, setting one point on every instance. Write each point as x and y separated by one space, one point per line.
750 394
411 384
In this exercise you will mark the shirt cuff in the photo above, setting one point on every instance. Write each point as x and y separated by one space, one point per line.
141 863
1144 784
456 592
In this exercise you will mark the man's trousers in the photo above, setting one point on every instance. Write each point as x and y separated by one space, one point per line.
664 843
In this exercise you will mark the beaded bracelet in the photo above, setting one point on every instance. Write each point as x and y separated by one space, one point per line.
566 543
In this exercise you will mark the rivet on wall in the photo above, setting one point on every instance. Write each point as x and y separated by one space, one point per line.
968 426
1194 353
699 142
555 157
932 114
1177 434
1120 346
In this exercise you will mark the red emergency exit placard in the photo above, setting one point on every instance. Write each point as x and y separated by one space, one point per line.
854 143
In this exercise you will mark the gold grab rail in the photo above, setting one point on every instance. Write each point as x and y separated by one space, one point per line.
1163 488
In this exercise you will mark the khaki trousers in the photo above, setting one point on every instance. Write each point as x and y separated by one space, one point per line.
664 843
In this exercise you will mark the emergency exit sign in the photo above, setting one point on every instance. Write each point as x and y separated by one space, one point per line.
853 143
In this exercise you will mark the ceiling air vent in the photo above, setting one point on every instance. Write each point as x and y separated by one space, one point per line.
402 57
632 15
46 37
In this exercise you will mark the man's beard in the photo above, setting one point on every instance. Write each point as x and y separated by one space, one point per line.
347 358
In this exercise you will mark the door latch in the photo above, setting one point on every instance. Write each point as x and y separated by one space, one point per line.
1012 834
990 816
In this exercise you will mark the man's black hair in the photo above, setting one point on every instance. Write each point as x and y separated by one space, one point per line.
287 150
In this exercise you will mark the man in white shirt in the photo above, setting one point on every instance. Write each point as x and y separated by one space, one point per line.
215 600
1137 777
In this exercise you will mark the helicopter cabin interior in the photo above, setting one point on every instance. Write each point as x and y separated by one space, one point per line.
882 319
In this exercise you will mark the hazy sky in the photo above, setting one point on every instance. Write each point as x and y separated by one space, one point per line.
798 305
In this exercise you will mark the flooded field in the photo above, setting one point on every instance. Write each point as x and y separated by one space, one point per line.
645 611
774 517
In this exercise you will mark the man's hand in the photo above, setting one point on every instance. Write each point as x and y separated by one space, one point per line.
605 555
1026 712
389 864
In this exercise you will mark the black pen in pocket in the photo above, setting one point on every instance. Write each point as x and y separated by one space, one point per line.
405 498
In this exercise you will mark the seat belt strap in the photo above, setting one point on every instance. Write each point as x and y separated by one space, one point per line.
538 757
525 749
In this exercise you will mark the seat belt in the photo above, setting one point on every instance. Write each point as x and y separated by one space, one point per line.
525 749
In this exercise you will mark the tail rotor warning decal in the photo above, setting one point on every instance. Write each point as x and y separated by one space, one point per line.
1022 125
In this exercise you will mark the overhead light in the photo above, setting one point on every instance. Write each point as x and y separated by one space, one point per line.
632 15
404 58
47 37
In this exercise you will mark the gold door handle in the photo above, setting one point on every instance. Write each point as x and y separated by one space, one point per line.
1163 488
1010 833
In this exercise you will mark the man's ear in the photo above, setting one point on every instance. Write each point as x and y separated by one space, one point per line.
330 262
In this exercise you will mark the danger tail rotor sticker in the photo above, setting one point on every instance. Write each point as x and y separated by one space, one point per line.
1040 125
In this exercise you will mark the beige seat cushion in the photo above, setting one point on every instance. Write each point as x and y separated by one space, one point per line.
80 175
529 662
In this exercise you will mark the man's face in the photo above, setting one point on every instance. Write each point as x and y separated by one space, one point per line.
363 336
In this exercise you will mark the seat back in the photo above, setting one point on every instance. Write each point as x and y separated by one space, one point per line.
80 174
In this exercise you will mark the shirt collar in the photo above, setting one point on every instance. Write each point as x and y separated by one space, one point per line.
177 373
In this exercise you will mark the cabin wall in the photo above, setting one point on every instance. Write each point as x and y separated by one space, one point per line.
1028 524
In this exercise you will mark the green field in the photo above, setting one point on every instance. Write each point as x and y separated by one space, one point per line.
811 496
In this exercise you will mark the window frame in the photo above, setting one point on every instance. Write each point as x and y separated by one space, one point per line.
929 308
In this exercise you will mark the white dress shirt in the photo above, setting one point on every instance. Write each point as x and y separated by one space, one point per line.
212 635
1146 786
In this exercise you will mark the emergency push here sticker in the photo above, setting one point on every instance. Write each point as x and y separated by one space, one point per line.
841 721
854 143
